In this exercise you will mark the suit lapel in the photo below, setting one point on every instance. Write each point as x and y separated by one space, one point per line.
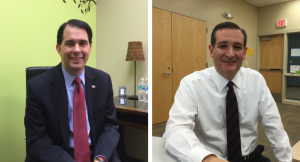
90 88
59 95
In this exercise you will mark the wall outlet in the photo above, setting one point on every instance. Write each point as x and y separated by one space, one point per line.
246 62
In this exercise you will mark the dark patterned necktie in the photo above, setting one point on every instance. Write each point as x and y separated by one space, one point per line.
81 141
233 127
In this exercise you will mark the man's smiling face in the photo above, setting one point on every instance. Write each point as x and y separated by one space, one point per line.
229 52
74 49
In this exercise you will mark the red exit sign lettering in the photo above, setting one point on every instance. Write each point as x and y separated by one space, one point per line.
281 23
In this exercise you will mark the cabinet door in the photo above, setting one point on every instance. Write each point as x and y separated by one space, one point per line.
161 65
188 47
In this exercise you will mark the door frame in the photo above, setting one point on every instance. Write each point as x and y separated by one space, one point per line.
285 58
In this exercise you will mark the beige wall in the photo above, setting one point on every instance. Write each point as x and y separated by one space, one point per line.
244 14
268 16
119 22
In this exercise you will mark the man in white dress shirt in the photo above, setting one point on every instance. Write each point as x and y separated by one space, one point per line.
196 130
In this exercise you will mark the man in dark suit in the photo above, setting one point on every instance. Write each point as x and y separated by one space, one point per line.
67 120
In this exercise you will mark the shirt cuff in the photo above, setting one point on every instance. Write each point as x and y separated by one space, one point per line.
195 156
100 156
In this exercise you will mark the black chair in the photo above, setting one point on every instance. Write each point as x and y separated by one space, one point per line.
34 71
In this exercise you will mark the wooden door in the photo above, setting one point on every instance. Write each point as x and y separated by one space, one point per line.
161 63
271 61
188 47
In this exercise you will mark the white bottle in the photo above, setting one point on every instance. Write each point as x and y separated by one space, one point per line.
146 90
141 90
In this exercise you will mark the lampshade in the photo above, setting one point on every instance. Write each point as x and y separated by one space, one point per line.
135 52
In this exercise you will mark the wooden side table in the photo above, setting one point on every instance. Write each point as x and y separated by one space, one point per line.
132 113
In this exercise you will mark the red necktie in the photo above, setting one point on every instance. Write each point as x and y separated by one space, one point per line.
233 126
81 142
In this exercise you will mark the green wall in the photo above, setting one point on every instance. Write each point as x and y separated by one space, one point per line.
28 32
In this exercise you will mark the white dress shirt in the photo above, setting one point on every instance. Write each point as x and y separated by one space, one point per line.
197 119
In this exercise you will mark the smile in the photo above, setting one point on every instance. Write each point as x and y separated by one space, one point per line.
229 61
76 58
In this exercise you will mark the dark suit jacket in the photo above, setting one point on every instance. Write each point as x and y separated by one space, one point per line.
46 116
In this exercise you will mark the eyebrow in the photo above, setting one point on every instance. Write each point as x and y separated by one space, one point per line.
82 40
225 42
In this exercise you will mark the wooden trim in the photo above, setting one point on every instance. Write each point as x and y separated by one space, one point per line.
285 60
131 110
292 75
284 100
291 102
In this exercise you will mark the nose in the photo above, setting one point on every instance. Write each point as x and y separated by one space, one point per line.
76 48
230 52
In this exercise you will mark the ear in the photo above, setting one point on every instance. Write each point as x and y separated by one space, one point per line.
90 48
58 49
211 51
245 53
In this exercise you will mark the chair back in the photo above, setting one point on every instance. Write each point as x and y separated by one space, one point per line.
34 71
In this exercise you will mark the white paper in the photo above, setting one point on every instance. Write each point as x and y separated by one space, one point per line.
122 92
294 68
295 52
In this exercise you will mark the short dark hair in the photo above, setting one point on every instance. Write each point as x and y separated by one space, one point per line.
74 23
226 25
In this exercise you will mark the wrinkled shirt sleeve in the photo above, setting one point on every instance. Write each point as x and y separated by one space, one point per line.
180 139
272 125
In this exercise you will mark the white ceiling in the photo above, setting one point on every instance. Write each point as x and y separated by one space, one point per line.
260 3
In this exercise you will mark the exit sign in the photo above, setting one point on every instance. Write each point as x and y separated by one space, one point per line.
281 23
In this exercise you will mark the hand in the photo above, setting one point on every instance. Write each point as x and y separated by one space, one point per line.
212 158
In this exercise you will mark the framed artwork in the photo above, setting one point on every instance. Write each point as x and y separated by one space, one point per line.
122 91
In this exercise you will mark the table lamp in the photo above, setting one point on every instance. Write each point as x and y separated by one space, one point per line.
135 53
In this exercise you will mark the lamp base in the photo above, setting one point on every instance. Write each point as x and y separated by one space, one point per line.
133 97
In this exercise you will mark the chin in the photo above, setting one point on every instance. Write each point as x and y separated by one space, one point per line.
230 70
77 66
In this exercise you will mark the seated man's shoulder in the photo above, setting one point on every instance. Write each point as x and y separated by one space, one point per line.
250 72
199 75
202 74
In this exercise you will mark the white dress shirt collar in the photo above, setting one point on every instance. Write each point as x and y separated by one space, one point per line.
221 82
